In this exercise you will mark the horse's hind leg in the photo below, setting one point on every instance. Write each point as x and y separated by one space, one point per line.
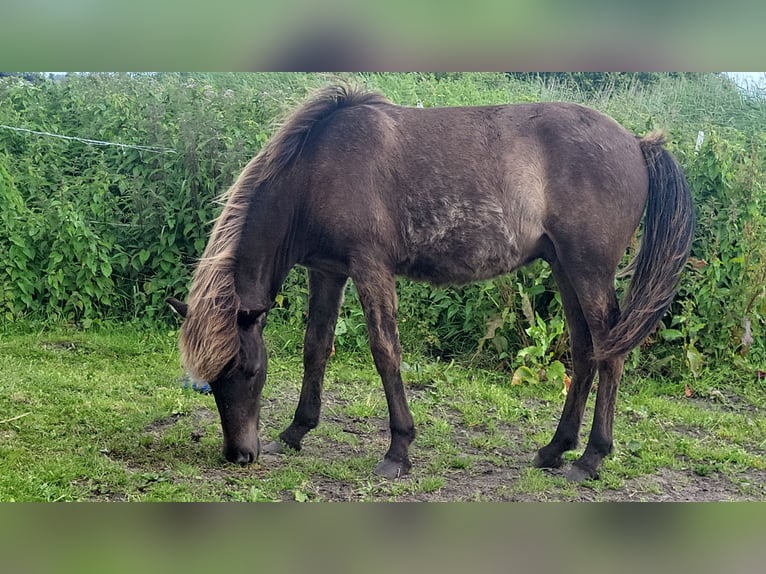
325 298
601 310
376 287
567 432
600 440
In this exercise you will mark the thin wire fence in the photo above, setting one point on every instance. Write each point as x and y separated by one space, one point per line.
91 141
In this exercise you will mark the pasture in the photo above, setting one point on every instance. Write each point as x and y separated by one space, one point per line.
102 416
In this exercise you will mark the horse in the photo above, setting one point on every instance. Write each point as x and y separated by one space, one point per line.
354 186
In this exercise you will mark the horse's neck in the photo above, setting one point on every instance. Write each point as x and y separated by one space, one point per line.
266 255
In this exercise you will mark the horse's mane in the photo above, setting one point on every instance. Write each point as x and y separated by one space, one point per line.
209 337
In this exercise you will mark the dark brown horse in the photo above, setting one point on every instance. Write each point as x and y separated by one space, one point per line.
354 186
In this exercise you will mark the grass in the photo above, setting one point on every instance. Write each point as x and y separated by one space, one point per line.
102 416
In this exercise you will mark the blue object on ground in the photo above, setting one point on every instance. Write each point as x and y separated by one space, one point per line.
190 382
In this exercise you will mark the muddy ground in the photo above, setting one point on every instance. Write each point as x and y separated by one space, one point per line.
493 476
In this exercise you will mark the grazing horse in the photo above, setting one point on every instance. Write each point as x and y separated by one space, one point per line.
354 186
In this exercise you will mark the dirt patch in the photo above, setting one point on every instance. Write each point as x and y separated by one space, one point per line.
481 464
69 346
670 485
152 459
158 427
99 492
723 400
493 473
199 418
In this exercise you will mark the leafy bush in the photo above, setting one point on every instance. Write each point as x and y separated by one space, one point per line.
99 233
109 232
722 299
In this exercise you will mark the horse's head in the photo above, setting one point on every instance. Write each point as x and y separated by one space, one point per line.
237 388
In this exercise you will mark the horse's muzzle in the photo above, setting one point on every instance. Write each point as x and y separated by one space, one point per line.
242 454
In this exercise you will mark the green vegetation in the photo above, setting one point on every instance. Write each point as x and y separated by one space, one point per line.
93 238
102 416
104 233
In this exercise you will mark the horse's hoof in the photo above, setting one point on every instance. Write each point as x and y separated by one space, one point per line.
274 447
578 474
391 469
547 461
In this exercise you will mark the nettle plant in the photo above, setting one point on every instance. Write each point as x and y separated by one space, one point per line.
18 233
721 305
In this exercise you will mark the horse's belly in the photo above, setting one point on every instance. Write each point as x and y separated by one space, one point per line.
459 262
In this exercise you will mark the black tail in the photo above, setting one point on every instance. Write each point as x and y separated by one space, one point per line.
669 228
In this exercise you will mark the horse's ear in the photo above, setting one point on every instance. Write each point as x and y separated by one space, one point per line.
178 306
246 319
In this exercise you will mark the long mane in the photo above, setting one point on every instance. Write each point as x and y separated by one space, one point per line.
209 336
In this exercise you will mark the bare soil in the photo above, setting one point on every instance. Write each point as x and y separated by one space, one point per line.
492 474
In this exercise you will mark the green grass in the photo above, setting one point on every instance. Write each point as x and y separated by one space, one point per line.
102 416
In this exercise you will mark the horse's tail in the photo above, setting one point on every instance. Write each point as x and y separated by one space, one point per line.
668 231
209 336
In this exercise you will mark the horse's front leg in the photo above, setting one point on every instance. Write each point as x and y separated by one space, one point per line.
376 287
325 298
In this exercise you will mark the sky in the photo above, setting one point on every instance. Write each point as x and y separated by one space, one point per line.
748 79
